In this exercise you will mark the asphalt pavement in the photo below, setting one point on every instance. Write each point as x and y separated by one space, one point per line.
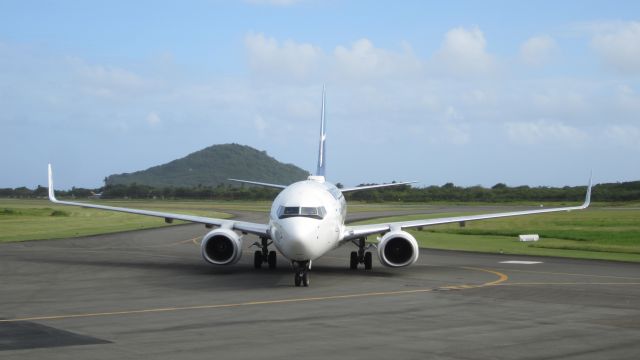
149 294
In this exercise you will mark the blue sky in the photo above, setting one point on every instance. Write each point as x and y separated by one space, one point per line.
471 92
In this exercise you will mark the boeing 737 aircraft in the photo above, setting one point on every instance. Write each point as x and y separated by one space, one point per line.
307 220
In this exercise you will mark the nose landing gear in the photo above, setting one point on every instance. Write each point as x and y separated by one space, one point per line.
301 269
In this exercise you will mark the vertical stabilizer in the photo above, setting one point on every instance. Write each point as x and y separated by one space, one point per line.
322 150
52 195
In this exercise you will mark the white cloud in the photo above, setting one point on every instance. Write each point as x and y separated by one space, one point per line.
381 89
478 97
301 108
455 130
628 100
153 120
453 114
106 81
537 51
618 44
463 52
625 135
364 60
544 131
269 58
564 98
107 75
303 62
457 134
260 125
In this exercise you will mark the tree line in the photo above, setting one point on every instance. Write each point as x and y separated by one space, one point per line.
611 192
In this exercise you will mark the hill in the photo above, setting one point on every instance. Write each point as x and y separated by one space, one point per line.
212 166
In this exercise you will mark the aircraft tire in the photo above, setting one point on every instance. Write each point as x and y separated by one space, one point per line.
353 263
368 260
272 260
257 259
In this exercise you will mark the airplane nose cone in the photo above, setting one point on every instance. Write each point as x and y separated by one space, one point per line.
299 237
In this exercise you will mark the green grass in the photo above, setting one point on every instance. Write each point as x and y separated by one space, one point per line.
600 233
605 231
40 219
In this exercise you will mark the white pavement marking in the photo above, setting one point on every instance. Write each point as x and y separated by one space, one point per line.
520 262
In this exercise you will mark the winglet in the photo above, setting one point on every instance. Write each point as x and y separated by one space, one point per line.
52 195
587 199
322 149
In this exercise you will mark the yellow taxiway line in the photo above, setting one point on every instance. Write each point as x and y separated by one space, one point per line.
501 278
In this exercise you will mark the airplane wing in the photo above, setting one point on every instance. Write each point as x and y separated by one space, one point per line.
261 230
365 187
359 231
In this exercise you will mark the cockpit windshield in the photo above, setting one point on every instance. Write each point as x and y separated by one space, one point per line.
301 211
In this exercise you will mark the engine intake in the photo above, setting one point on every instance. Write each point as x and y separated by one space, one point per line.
398 249
221 247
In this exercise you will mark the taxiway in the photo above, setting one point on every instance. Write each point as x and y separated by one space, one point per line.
149 294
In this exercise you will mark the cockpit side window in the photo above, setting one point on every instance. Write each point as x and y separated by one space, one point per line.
305 211
336 193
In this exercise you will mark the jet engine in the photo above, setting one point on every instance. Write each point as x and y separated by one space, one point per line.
398 249
222 247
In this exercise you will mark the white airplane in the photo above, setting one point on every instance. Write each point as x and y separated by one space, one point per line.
307 220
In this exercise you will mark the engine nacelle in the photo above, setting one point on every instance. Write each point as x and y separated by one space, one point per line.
398 249
221 247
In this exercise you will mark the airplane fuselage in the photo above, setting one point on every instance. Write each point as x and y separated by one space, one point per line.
307 219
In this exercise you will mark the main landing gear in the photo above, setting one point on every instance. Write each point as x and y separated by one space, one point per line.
264 256
361 256
302 272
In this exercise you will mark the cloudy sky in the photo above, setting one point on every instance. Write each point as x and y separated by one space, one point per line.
475 92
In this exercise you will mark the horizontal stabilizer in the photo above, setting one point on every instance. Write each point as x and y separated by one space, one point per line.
276 186
366 187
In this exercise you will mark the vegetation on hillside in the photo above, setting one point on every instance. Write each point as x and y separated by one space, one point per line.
211 167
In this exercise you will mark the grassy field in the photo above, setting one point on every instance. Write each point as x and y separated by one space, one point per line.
40 219
608 233
605 231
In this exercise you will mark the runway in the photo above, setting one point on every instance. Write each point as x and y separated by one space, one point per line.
149 294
